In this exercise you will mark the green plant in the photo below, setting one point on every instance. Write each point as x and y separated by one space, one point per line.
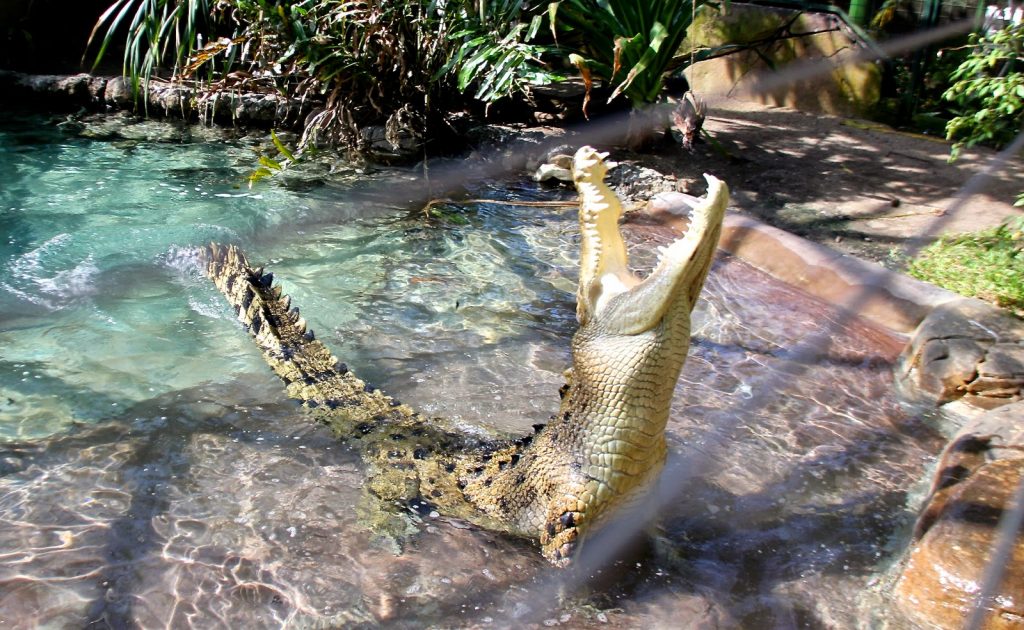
372 62
493 51
365 62
157 30
988 91
987 264
268 167
393 62
628 43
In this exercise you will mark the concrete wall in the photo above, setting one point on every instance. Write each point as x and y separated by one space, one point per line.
847 90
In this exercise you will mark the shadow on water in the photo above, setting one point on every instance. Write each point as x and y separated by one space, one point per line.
753 559
30 397
134 474
146 470
794 514
770 559
147 475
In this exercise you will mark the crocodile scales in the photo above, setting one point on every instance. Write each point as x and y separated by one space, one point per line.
605 446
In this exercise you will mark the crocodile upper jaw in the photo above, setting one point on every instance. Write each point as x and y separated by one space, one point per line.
608 291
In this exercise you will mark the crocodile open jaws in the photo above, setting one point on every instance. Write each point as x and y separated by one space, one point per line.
602 451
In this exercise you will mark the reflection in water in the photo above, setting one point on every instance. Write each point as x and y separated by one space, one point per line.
151 472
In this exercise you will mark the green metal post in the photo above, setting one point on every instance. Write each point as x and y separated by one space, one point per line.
979 16
859 11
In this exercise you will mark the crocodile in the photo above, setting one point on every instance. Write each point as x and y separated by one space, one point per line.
603 449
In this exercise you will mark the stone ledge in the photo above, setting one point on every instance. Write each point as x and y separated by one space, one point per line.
885 297
164 97
961 350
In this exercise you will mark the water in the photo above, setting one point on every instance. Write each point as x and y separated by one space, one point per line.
151 472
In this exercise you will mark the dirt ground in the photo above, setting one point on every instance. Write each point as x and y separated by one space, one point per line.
856 186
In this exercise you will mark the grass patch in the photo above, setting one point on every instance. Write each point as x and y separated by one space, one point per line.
988 265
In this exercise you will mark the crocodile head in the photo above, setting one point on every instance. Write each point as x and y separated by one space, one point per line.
627 354
608 291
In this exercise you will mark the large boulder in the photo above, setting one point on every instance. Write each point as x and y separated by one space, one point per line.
965 350
773 37
977 476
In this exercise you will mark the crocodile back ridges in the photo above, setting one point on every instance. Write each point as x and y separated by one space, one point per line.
310 372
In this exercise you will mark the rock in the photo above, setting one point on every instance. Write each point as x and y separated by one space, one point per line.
40 83
125 126
75 88
61 90
548 172
677 203
636 183
964 350
162 98
116 93
561 160
96 87
558 167
560 155
1001 373
978 473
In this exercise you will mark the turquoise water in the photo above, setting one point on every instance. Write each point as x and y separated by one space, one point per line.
102 307
153 475
93 317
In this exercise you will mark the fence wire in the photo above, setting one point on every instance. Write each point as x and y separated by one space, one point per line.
606 546
609 544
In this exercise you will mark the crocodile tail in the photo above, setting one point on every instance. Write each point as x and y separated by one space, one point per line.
311 373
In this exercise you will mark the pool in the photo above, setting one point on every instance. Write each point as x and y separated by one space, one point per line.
152 472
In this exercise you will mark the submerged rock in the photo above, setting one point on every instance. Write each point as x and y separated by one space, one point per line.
557 167
965 350
977 476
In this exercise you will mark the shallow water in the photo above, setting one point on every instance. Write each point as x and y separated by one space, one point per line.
152 474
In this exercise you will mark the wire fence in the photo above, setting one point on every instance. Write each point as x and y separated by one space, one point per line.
602 550
607 545
613 539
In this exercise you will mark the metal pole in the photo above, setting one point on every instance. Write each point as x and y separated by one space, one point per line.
860 11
